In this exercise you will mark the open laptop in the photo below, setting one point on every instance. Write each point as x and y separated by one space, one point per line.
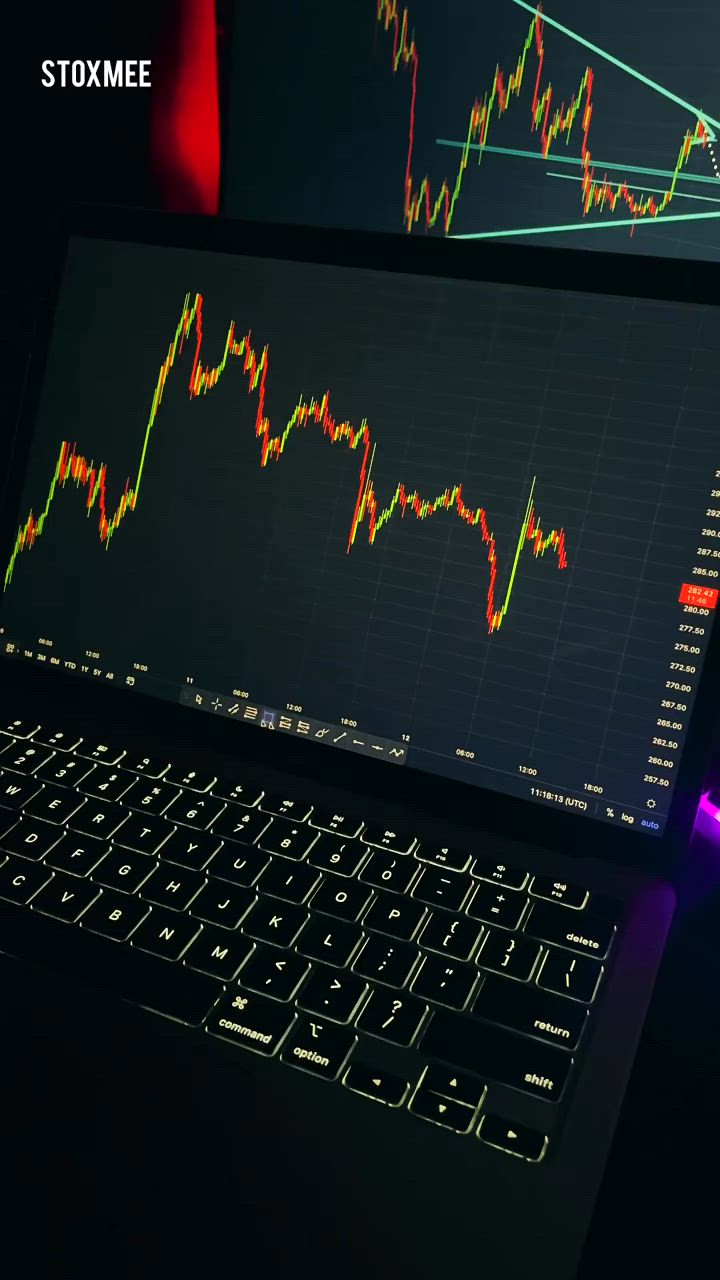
358 669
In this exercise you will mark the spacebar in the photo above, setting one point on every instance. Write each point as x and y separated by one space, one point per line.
153 983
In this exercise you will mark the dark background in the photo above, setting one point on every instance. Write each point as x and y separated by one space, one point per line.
93 1185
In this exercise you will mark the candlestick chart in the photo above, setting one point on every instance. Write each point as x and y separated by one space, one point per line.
368 513
546 119
595 127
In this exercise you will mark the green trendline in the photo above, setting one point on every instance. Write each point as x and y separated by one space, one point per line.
623 66
582 226
576 160
521 542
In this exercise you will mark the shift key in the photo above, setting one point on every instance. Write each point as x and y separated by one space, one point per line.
496 1054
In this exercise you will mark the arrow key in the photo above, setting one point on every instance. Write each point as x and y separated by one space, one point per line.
375 1084
443 1111
453 1084
518 1140
274 973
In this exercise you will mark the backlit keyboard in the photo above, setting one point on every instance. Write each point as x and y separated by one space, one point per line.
294 931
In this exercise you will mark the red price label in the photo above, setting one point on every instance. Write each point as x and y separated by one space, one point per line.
703 597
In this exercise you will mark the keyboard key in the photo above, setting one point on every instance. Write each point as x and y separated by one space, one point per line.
106 783
54 804
467 1090
24 757
15 791
69 770
442 889
523 1007
65 897
448 982
194 811
20 728
585 933
239 865
113 971
98 819
297 810
273 921
389 871
274 974
76 854
29 837
58 739
395 915
454 936
497 906
393 1016
193 849
333 941
500 873
150 797
319 1047
165 933
191 778
105 752
386 961
173 888
243 825
377 1084
346 899
246 793
289 881
574 976
124 869
516 1139
341 856
336 995
496 1054
223 904
443 1111
114 915
252 1021
21 880
511 954
387 838
287 838
338 823
441 855
219 952
569 895
148 766
143 833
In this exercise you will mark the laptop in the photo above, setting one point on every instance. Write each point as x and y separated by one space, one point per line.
357 680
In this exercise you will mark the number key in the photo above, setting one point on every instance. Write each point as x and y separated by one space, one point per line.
244 825
24 757
106 783
150 796
389 871
195 811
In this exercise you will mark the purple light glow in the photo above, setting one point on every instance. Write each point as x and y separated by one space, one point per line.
707 806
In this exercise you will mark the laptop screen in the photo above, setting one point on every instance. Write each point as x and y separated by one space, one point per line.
464 527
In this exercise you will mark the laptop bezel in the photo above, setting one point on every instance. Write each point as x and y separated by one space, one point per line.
579 271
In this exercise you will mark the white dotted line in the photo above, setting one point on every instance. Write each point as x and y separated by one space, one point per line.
714 161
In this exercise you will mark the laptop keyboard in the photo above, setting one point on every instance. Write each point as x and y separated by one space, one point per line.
294 931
